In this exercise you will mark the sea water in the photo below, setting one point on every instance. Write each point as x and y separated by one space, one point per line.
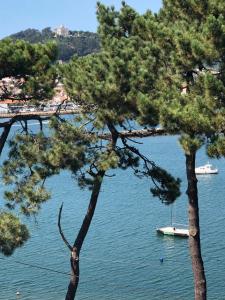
121 255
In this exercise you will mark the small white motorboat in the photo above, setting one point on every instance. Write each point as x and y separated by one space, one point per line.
206 169
170 230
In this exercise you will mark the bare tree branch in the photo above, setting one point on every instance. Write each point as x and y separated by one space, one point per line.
60 229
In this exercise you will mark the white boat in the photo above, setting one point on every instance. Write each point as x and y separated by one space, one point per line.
174 229
206 169
171 230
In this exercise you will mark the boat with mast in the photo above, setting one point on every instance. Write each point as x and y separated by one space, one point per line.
174 229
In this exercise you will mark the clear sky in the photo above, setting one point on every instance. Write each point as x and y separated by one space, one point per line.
17 15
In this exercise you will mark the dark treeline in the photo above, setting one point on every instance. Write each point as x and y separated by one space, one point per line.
80 43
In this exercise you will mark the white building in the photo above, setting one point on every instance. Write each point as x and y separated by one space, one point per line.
61 31
3 108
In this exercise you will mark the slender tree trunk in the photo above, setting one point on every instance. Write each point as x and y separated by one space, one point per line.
75 273
4 137
194 229
74 259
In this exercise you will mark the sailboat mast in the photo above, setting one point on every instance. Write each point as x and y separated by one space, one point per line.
171 215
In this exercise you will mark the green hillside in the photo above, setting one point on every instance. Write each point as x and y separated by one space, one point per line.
77 42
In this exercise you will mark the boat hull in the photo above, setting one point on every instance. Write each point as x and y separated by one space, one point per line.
173 231
205 170
205 173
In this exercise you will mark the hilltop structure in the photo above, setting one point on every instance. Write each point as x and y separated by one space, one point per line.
61 31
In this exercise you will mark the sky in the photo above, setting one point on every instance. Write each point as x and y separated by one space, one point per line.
17 15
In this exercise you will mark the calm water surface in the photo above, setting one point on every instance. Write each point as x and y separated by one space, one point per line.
121 255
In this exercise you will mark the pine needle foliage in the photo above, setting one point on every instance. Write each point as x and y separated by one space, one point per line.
32 70
31 65
13 234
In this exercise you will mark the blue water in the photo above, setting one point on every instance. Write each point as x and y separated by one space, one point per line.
121 255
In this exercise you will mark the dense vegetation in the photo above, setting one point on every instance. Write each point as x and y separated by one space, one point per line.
80 43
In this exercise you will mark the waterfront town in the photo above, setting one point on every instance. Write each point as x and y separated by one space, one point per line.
60 100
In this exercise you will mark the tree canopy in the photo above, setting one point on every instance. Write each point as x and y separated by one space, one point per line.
192 98
31 69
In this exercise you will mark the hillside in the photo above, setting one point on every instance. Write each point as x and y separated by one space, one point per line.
69 42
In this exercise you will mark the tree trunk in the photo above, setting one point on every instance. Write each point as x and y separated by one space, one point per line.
4 137
74 260
194 230
75 273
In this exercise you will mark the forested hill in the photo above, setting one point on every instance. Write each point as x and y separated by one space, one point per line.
74 42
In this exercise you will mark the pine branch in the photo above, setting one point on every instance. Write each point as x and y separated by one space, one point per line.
60 229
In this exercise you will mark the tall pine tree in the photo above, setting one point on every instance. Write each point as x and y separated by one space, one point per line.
192 96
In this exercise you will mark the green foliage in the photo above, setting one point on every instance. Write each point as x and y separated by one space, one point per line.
216 147
79 43
13 234
167 188
136 57
33 71
34 157
195 61
95 81
32 35
32 68
19 58
29 191
191 144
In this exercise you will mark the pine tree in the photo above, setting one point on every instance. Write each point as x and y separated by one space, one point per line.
192 96
104 85
178 76
31 68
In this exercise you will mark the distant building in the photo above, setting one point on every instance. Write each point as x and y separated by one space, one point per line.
61 31
3 108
